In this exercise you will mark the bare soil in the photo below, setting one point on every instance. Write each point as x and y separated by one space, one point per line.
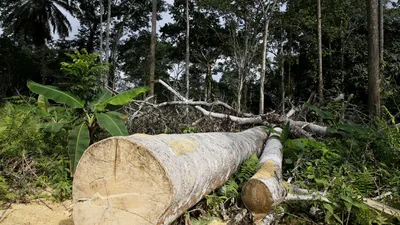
37 212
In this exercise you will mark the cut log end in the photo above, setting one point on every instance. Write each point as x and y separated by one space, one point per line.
120 182
257 197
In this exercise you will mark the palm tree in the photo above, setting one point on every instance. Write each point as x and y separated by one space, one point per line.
38 20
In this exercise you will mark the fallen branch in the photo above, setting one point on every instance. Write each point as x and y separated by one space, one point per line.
297 126
381 207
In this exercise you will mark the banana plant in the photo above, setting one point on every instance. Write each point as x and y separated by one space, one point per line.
96 114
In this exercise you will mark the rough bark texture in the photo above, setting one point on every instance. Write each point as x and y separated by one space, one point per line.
143 179
373 58
320 77
265 190
153 46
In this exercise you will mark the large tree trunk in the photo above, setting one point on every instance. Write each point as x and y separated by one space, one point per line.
373 58
143 179
265 190
187 50
153 46
320 77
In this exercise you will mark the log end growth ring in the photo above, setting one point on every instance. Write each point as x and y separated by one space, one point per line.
257 197
119 181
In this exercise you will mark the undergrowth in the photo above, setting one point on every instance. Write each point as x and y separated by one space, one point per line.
31 160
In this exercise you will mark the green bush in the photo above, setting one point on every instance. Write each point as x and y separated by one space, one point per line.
30 158
357 162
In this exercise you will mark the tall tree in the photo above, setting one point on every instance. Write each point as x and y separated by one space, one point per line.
34 20
373 57
101 31
267 9
108 30
153 45
381 36
187 49
320 77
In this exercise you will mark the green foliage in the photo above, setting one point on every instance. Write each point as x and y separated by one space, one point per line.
352 165
85 74
55 94
31 158
86 118
230 191
78 142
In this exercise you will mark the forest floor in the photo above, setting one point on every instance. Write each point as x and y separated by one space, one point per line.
42 212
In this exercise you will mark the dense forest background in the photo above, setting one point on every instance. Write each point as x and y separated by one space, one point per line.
226 44
326 64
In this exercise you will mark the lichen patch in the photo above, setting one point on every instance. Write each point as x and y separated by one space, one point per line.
182 145
267 170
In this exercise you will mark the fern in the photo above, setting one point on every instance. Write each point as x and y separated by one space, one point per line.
247 170
230 189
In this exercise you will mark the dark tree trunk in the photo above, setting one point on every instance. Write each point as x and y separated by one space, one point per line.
90 42
373 58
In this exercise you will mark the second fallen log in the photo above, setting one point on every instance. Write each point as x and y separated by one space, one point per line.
146 180
265 189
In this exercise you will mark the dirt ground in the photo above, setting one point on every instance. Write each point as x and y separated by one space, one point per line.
38 212
43 212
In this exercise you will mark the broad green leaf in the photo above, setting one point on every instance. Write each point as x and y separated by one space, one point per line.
43 103
52 127
118 114
102 97
123 98
78 142
323 114
112 123
57 95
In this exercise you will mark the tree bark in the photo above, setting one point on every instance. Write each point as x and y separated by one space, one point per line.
208 82
282 70
320 77
101 32
108 31
373 58
92 33
381 37
265 190
263 66
153 46
187 50
155 179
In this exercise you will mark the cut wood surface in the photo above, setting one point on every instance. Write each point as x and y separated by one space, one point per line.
144 179
265 189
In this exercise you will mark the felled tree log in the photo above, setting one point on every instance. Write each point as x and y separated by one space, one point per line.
265 189
143 179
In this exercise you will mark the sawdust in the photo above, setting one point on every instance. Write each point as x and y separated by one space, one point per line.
36 212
